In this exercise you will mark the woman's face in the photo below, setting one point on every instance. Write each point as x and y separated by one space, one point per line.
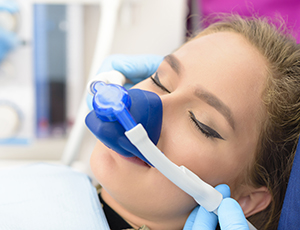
211 93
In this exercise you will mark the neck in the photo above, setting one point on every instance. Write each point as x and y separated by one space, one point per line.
136 220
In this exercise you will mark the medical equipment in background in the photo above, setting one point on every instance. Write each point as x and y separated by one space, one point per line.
16 88
134 24
51 72
113 106
59 60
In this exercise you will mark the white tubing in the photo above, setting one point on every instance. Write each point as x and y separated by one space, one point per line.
203 193
108 20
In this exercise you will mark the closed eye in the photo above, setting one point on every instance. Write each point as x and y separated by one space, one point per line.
157 82
206 130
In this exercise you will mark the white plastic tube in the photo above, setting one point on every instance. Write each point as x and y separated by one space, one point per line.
203 193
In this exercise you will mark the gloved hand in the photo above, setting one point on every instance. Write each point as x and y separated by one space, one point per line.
134 67
230 215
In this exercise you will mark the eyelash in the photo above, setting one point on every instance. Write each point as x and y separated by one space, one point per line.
207 131
157 83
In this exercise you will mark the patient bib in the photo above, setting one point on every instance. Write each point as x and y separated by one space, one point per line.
43 196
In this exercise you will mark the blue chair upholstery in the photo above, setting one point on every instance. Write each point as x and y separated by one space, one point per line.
290 214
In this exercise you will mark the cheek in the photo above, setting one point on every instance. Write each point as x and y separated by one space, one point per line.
96 161
213 161
179 144
103 164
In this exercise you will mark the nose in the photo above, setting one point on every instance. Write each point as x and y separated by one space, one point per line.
146 108
173 110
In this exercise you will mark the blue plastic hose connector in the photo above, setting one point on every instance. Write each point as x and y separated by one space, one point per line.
111 103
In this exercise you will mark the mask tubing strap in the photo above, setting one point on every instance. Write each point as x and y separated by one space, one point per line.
203 193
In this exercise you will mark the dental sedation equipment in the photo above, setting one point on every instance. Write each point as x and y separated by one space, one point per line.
138 114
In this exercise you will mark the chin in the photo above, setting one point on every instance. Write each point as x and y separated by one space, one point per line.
102 162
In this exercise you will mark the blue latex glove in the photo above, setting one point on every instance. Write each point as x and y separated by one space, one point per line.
230 215
134 67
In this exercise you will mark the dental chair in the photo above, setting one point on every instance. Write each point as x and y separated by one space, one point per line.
290 214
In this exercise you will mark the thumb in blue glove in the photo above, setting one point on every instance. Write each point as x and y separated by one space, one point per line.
137 67
231 216
200 218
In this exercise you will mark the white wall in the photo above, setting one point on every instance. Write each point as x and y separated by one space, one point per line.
155 26
149 26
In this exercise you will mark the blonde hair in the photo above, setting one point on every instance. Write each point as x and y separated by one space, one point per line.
279 135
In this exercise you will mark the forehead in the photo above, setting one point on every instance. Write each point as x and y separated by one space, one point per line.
227 50
227 65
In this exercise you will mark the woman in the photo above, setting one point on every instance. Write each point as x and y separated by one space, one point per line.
231 115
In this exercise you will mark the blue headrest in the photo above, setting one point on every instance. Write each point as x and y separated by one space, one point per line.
290 214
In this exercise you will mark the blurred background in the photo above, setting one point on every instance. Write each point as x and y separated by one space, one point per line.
43 77
43 71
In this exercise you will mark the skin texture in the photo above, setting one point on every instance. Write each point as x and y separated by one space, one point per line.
230 69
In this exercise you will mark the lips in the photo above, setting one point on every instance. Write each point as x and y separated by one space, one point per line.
135 160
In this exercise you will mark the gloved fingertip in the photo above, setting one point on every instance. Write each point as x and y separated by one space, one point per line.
137 66
191 219
153 62
205 220
231 215
224 189
156 60
230 204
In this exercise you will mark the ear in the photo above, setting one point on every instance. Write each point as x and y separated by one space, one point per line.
254 201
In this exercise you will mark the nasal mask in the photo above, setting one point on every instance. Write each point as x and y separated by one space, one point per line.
129 122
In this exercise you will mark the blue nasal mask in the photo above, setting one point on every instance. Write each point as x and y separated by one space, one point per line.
116 111
130 124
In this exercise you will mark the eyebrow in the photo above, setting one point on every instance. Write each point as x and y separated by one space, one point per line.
204 95
215 102
174 63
